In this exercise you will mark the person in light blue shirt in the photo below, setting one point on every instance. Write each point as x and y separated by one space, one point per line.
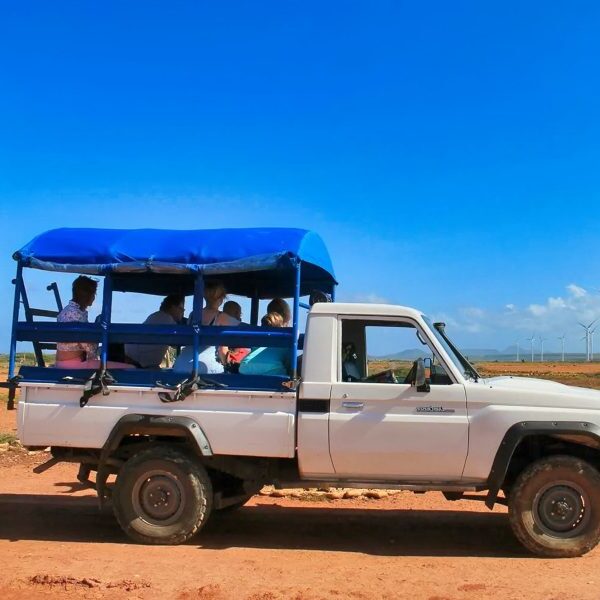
268 361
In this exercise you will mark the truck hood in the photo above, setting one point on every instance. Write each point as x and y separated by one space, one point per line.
531 384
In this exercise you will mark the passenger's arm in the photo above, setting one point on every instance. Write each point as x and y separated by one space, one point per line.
226 320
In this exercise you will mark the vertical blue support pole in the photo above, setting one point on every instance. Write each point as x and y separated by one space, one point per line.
37 350
53 287
296 315
197 318
105 318
13 338
254 312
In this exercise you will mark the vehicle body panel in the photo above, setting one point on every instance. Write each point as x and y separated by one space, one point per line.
377 432
496 404
235 423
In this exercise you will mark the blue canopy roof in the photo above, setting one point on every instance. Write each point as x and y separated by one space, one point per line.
252 261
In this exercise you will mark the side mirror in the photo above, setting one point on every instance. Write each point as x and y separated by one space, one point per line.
421 382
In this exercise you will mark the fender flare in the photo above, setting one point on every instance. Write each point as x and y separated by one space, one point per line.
131 424
178 426
517 433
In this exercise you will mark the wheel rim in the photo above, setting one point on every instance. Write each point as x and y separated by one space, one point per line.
562 509
158 497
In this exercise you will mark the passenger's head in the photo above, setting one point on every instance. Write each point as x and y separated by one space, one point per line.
214 294
233 309
279 305
174 305
272 319
84 291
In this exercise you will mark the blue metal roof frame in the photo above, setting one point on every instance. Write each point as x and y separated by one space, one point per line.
250 261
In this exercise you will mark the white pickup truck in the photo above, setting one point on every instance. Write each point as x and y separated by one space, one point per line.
453 431
349 420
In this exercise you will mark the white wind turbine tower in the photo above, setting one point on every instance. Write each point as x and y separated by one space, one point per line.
531 339
542 340
562 339
587 338
518 351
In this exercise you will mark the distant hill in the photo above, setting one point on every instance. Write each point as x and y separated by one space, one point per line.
479 351
414 353
410 354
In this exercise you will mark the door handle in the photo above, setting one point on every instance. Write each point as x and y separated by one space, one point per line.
350 404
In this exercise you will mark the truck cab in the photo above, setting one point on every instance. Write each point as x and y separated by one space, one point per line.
378 426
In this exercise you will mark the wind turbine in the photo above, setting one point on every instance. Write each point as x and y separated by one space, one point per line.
587 338
542 340
562 339
587 346
518 351
531 339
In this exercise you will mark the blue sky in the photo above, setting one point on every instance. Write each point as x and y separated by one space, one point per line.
447 152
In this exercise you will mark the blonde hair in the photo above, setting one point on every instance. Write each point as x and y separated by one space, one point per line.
272 319
279 305
214 292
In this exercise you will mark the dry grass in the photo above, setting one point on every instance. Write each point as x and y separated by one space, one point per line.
7 438
579 374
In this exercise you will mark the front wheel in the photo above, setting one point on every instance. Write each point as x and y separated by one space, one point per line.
554 507
162 496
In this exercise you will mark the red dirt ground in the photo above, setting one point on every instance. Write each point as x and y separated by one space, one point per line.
56 543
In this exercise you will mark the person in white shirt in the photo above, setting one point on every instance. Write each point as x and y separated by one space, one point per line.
211 359
81 355
148 356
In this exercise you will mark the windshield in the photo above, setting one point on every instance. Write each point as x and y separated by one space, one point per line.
460 362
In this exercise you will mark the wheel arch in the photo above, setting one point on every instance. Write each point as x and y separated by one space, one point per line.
575 434
175 426
141 424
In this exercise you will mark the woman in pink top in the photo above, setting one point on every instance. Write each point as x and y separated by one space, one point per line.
80 355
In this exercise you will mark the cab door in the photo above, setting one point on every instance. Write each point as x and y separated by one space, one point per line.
383 429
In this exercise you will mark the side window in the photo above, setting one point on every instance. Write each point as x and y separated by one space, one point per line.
384 352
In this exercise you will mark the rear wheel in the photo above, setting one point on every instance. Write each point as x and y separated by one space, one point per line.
554 507
162 496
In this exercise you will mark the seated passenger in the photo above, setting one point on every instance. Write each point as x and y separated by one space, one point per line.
268 361
150 356
279 305
234 355
211 359
80 355
233 309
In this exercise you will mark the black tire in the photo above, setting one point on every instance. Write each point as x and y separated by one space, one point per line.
162 496
554 507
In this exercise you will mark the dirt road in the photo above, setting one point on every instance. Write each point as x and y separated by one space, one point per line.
56 543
